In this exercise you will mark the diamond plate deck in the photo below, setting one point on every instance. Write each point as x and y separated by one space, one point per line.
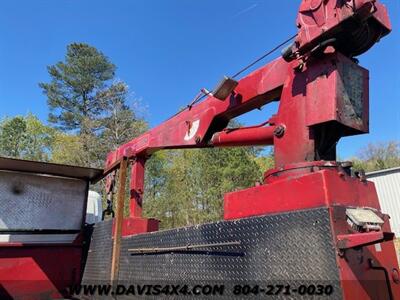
290 248
98 264
34 201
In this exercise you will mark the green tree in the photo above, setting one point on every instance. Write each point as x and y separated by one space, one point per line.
265 161
84 98
73 93
119 123
12 136
68 149
378 156
26 137
38 139
186 187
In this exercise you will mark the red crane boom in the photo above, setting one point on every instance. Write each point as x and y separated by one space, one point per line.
323 95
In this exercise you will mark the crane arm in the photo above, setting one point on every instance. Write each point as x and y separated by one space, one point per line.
194 126
351 26
323 95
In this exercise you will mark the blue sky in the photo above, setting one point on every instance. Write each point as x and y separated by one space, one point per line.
167 50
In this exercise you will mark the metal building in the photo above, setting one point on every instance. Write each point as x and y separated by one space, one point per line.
387 183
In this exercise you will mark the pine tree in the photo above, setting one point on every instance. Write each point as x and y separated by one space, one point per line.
85 99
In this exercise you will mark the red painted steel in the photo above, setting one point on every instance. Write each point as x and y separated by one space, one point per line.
135 225
191 127
314 90
331 188
39 271
137 187
366 272
327 187
244 137
323 96
353 240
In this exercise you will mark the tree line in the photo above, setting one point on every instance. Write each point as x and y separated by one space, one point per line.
92 113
